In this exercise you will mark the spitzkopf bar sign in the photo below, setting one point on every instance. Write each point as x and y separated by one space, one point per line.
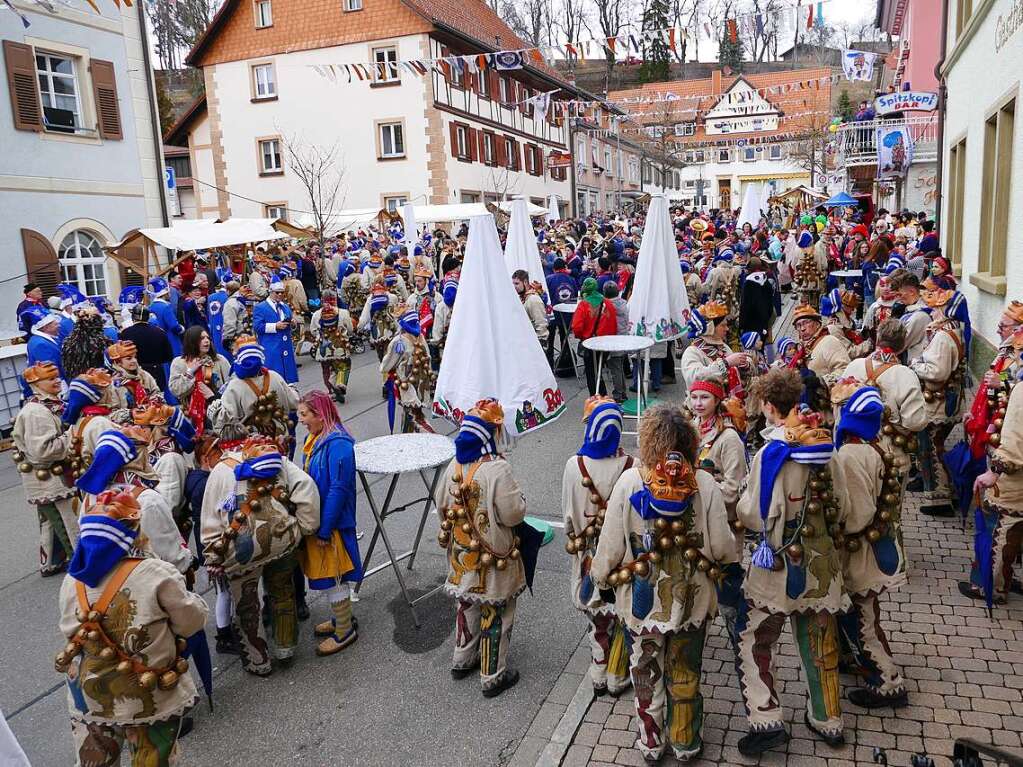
905 101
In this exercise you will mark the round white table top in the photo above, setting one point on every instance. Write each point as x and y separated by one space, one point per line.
400 453
618 343
848 273
567 308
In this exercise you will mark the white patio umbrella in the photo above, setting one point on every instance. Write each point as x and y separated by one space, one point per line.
492 349
520 250
553 212
658 308
750 212
408 215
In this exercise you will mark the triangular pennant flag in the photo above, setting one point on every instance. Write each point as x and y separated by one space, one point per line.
492 350
611 43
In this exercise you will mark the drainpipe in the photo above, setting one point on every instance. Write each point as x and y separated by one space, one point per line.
942 96
154 116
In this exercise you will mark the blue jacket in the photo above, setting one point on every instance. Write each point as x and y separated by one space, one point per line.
41 350
280 352
562 288
66 326
332 467
161 314
215 314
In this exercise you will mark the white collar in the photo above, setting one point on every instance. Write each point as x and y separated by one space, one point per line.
40 334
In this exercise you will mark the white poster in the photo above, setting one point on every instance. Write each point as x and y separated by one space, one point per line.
894 151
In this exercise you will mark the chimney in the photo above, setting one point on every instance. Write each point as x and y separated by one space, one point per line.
715 81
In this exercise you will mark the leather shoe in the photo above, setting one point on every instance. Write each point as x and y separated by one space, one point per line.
510 679
756 743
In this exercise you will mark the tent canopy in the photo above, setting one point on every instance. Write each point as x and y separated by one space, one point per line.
841 200
797 193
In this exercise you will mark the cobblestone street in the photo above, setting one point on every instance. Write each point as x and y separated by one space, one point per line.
963 670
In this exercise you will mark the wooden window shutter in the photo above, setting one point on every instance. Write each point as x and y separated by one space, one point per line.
104 87
499 151
495 85
41 262
23 86
454 139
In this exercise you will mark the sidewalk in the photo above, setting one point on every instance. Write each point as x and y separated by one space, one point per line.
964 673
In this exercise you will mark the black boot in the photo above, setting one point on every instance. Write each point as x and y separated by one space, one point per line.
865 698
915 485
509 680
835 740
302 610
756 743
227 642
938 510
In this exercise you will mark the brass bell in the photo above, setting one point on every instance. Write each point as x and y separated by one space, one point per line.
24 467
168 680
714 573
888 429
457 477
147 680
703 565
660 524
813 507
890 498
625 575
738 526
570 546
61 663
443 539
998 423
81 633
816 484
595 498
612 578
779 564
474 544
93 616
450 514
255 505
486 559
446 525
641 568
807 531
665 543
928 395
18 456
994 439
124 667
852 545
676 526
57 469
654 557
899 441
93 636
587 482
691 554
873 535
501 564
514 555
795 551
107 653
885 516
590 531
461 513
466 527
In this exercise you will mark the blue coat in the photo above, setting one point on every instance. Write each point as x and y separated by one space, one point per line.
42 350
66 326
280 352
562 288
215 315
332 467
161 314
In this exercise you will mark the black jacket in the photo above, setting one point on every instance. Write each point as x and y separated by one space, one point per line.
154 350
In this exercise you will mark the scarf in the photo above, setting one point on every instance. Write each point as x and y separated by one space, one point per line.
860 416
590 294
133 384
773 457
603 432
649 507
102 544
80 394
197 401
308 447
113 452
265 466
475 440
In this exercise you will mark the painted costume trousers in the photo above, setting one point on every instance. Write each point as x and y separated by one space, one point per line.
335 374
867 644
102 745
483 631
936 485
58 534
666 671
816 638
280 587
1006 544
609 652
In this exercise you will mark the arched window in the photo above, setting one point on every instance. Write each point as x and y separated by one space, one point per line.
83 263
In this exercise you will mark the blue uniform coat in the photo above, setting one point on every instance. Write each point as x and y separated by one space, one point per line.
215 315
280 352
162 314
332 467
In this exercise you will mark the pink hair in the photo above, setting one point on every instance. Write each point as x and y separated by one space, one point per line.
323 407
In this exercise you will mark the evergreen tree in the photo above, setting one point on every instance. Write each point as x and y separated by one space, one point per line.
729 53
845 106
656 55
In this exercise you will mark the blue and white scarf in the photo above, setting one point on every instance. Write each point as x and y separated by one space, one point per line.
103 542
262 467
773 457
409 322
80 393
603 432
474 440
248 361
113 452
860 416
650 507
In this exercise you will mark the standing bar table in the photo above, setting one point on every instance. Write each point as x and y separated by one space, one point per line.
560 311
394 455
629 345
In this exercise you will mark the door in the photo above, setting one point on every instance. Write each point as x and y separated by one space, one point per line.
725 194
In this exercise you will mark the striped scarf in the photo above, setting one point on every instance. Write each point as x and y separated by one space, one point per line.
475 439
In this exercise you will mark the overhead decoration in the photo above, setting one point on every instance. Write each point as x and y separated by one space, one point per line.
858 65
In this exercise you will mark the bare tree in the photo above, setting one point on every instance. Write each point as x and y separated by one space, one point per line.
570 19
320 170
763 36
611 17
176 26
529 19
809 150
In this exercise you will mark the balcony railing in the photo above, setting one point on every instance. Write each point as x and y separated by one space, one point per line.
857 141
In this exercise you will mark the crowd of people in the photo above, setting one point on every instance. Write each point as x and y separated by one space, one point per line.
173 416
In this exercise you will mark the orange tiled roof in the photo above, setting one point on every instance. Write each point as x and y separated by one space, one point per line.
795 102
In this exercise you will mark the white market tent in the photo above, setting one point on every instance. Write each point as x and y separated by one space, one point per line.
751 201
659 305
137 250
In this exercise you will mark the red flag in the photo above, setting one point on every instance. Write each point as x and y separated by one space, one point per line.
809 17
733 31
